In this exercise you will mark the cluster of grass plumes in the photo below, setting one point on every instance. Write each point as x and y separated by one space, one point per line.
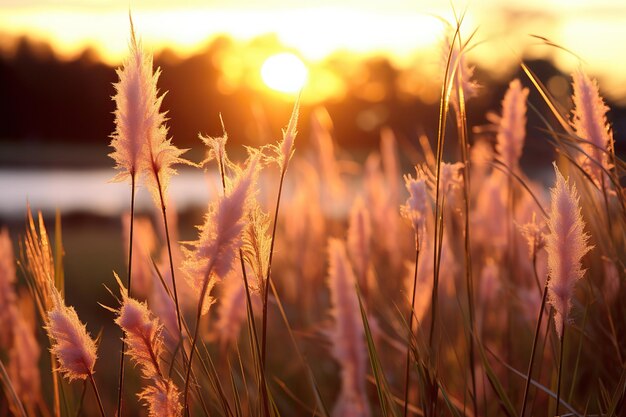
475 290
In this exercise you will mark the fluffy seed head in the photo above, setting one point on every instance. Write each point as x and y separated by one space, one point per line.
347 334
512 125
143 333
359 239
162 399
415 208
140 143
71 344
136 111
590 123
566 244
215 251
534 235
284 149
256 244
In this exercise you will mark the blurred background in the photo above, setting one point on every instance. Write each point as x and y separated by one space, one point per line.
370 64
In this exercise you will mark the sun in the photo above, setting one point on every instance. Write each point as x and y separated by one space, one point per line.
284 72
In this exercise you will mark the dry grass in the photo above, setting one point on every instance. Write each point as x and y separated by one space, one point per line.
352 300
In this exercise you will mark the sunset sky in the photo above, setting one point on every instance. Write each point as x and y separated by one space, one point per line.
595 30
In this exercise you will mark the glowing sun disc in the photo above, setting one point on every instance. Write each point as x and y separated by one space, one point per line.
284 72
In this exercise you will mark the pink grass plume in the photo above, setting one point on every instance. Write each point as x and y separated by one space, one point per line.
590 123
566 244
71 344
215 251
360 240
415 209
145 344
347 334
140 140
286 147
135 111
511 126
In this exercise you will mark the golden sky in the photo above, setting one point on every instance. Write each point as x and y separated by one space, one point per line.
593 29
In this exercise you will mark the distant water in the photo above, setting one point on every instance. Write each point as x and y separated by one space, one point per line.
91 191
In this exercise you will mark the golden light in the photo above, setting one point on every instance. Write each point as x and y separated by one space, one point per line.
284 72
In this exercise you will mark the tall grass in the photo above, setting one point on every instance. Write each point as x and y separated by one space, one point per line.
440 314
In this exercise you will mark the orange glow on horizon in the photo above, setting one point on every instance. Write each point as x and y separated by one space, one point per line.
397 29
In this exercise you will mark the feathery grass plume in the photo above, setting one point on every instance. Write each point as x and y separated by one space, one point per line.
566 244
415 208
36 256
285 149
145 344
347 335
143 333
590 123
137 110
140 139
256 245
24 362
214 253
162 399
511 126
8 298
534 235
450 177
217 148
38 262
144 244
359 242
71 344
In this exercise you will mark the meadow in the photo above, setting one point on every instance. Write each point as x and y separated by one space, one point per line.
321 285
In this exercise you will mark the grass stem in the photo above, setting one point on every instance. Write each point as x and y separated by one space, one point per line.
120 386
95 390
410 333
560 373
171 260
532 352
